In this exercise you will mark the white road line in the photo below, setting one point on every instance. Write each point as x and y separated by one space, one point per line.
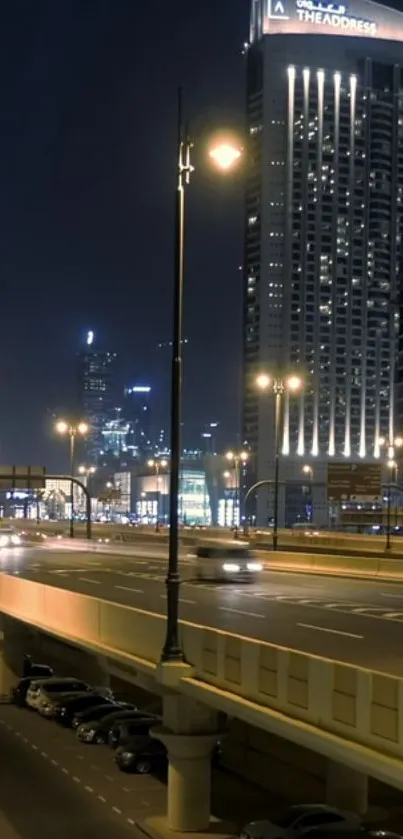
393 615
76 780
108 778
88 580
94 767
79 757
181 600
66 771
89 789
116 810
43 754
130 821
35 748
101 798
125 789
127 588
332 631
396 596
241 612
55 763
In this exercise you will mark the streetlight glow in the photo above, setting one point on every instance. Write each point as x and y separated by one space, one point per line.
294 383
82 427
225 155
307 470
263 381
229 455
62 427
163 463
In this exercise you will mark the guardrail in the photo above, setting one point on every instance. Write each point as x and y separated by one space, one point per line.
332 543
347 713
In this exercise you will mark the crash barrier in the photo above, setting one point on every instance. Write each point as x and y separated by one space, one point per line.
350 714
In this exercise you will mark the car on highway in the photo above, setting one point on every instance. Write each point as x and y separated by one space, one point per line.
97 731
9 538
98 712
124 730
66 708
226 560
43 692
299 819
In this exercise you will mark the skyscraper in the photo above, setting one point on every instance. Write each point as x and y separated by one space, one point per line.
136 410
324 225
97 393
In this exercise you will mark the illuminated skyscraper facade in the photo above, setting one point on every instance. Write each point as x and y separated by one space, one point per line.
97 394
324 226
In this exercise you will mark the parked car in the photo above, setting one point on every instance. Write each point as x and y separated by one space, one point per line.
41 691
19 691
124 730
142 754
66 708
97 731
97 713
226 560
296 820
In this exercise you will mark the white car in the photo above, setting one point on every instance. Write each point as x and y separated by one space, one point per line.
300 819
226 559
9 538
42 691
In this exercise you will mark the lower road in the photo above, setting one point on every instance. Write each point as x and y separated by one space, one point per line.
360 622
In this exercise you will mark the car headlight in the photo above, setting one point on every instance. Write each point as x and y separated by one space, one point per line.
3 541
230 566
254 566
127 756
16 540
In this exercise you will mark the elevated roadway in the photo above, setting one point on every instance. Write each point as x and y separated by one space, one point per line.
358 622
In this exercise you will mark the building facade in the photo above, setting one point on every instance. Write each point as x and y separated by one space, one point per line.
324 225
98 391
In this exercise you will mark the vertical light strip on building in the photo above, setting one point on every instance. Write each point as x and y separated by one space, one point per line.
377 435
393 293
368 434
287 282
319 184
332 347
351 187
305 160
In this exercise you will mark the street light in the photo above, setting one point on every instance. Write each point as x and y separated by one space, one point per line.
156 465
72 430
278 385
238 459
87 470
391 444
172 650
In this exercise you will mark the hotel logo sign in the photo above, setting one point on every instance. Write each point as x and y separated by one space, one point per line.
316 14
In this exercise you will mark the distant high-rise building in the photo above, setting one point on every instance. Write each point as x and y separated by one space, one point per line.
98 389
324 228
136 411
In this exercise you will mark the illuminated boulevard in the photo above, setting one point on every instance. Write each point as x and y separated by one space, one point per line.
355 621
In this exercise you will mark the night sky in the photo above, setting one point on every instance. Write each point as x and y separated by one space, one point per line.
87 151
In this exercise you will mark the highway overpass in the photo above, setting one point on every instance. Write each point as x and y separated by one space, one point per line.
347 713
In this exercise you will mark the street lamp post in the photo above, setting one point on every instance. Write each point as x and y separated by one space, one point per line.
72 430
238 459
224 156
391 444
156 465
278 385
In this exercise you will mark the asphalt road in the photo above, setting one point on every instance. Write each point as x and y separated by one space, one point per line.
53 786
357 621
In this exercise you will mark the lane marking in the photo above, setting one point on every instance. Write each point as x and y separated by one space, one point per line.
76 780
94 767
89 789
55 763
181 600
395 596
241 612
43 754
101 798
332 631
108 778
127 588
35 748
88 580
79 757
116 810
125 789
130 821
393 615
66 771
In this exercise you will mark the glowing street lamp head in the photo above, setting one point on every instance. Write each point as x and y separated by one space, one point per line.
82 427
225 155
307 470
150 463
294 383
163 463
229 455
398 442
243 457
263 381
90 338
62 427
391 464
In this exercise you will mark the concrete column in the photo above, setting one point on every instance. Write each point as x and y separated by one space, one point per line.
9 674
189 732
346 788
189 779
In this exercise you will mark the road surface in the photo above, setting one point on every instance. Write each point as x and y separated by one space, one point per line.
357 621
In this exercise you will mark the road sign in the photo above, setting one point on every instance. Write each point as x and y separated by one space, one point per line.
22 477
354 482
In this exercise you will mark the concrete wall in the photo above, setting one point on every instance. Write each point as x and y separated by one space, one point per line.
333 708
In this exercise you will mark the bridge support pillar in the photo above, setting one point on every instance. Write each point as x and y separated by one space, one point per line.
9 674
346 788
190 733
